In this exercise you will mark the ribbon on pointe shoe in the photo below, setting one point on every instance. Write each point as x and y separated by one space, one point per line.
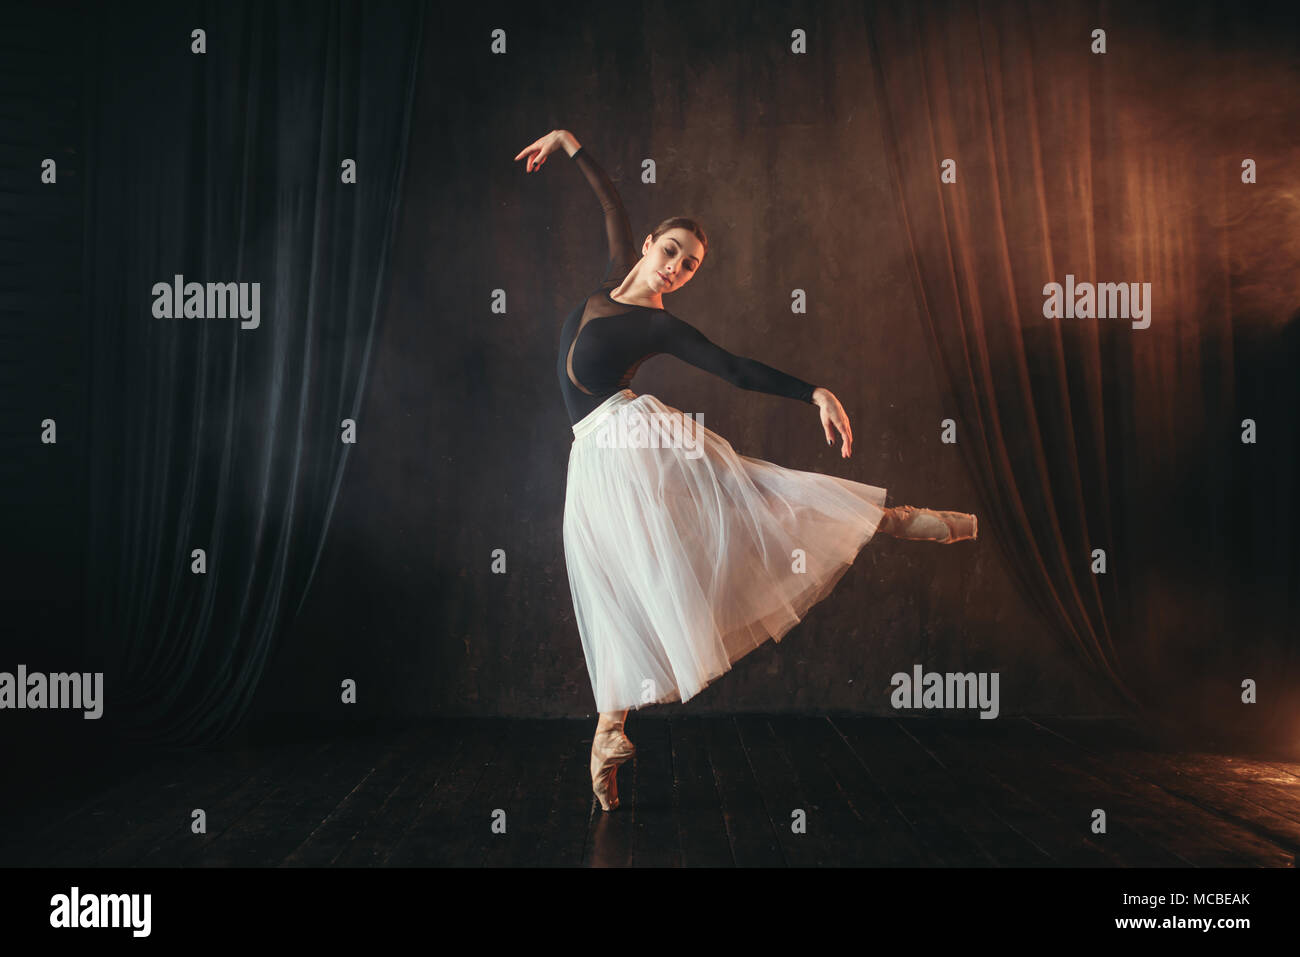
610 741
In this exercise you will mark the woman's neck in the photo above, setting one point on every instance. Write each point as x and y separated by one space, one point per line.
632 292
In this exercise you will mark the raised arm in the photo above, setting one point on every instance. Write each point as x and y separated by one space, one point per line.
679 338
623 253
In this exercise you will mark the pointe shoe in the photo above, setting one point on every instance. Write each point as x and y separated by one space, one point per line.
610 748
926 525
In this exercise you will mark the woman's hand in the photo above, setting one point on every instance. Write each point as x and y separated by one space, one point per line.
538 150
833 414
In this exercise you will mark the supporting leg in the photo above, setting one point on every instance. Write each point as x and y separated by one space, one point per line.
610 748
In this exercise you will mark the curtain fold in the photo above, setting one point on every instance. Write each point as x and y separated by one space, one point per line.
226 166
1088 433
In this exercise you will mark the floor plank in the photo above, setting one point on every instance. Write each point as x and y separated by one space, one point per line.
510 798
164 817
1253 790
564 835
701 829
269 832
441 823
1035 762
32 818
890 836
362 805
1055 842
921 791
753 841
794 811
257 773
702 791
438 746
654 803
1195 828
1145 826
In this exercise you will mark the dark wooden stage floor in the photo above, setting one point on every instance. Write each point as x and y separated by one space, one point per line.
702 791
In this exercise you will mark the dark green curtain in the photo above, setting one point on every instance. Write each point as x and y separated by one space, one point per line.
226 166
1086 434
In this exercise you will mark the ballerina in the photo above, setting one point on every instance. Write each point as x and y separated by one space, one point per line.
683 556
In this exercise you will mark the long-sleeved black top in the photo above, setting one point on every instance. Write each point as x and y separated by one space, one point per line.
603 342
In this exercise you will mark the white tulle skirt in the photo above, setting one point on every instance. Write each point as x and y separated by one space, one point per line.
683 556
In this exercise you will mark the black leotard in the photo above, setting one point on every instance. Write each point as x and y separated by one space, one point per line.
606 356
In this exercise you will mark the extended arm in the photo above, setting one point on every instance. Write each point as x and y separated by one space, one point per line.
681 339
687 343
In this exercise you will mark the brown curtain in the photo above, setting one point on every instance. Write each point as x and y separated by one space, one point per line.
1086 434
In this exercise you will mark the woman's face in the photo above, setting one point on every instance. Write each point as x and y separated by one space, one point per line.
672 259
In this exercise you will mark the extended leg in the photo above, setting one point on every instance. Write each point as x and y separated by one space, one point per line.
926 525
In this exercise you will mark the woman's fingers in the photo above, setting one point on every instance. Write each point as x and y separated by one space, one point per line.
834 418
536 152
847 432
535 161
